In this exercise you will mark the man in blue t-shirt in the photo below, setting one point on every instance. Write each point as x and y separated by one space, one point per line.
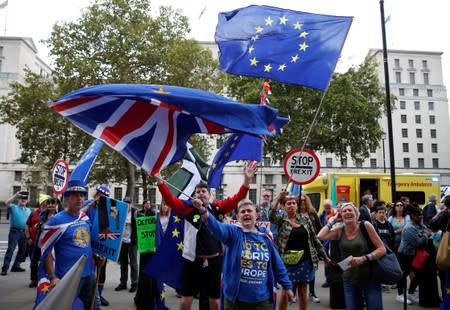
74 242
18 214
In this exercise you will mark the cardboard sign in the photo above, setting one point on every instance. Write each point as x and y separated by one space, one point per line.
146 233
108 226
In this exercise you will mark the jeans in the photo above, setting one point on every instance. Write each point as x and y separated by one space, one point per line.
128 255
356 295
85 289
15 237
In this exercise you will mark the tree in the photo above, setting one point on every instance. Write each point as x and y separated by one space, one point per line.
115 41
347 122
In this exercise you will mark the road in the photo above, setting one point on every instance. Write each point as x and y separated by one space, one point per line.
16 295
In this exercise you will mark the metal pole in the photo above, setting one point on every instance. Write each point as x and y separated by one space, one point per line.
384 158
388 103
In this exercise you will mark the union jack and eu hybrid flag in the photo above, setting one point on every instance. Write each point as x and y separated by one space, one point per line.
150 125
284 45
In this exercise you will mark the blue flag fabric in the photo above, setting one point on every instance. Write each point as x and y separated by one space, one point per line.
150 124
237 147
284 45
84 165
166 265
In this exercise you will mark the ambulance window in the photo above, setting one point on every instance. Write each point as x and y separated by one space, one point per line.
417 197
315 200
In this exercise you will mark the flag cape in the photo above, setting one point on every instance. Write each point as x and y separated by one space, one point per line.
150 125
284 45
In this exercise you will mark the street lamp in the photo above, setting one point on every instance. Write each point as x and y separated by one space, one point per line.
383 137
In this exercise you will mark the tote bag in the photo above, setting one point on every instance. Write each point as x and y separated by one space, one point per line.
443 254
420 258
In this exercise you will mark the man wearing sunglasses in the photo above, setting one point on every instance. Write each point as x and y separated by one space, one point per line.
18 215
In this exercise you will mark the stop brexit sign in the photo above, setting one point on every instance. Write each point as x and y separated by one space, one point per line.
301 166
60 176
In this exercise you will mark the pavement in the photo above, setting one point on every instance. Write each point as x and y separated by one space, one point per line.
16 295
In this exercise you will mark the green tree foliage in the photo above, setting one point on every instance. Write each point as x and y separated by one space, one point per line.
114 41
347 122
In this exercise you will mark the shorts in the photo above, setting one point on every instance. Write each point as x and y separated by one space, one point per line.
197 277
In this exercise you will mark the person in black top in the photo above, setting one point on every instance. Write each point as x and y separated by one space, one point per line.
383 228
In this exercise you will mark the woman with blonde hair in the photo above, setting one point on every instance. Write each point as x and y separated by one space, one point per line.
358 286
299 247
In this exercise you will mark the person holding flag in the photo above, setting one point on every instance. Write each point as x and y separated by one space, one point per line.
202 251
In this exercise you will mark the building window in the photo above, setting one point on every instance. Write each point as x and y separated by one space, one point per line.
16 188
416 105
421 162
410 64
418 119
432 119
268 178
435 163
17 176
404 133
284 179
358 163
401 91
373 149
152 195
429 92
412 78
219 193
373 163
426 79
415 92
424 64
405 147
266 161
418 133
136 195
344 162
402 105
118 193
419 147
406 163
253 179
403 119
329 162
431 106
252 194
433 133
398 77
397 63
434 148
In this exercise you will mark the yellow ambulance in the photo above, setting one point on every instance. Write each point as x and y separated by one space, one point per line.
352 186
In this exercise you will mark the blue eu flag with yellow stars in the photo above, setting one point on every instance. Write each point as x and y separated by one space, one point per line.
237 147
284 45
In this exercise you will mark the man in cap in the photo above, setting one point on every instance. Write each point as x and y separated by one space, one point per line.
73 243
91 210
18 216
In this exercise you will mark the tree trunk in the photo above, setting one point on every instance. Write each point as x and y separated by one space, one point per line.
131 180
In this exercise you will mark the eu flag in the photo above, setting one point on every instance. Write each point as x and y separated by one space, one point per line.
238 146
284 45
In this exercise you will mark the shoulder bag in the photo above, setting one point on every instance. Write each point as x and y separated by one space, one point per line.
443 253
420 258
292 257
386 269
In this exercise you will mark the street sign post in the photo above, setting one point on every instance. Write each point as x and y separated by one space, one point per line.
60 176
301 166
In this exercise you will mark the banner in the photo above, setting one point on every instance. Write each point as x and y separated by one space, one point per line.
108 227
146 233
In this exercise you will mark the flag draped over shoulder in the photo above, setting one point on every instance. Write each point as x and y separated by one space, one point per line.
237 147
84 165
150 125
284 45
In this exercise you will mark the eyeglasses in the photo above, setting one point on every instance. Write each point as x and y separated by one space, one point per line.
399 205
266 195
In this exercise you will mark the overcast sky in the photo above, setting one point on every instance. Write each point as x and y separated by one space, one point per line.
414 25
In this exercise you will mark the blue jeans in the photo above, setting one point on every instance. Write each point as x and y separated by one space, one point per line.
356 295
15 237
85 289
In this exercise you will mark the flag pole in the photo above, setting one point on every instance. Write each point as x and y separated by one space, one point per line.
174 187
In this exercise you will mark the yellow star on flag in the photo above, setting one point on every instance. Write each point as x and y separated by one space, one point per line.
162 295
303 34
303 46
176 219
255 37
253 61
282 67
283 20
269 21
45 288
251 49
294 58
175 233
180 246
267 68
298 26
259 29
